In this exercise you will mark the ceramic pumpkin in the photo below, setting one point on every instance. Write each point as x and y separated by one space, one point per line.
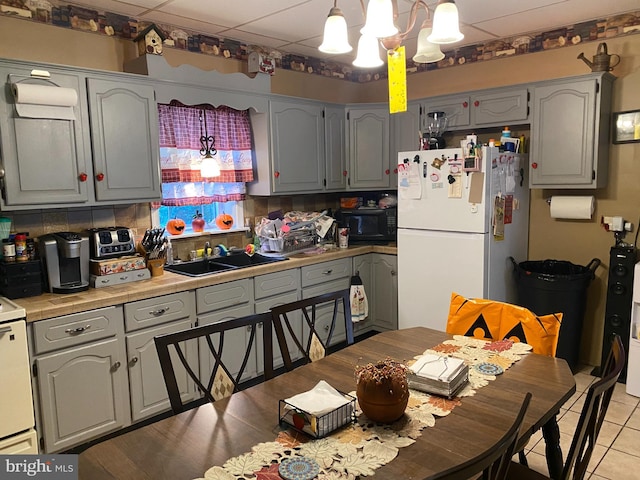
176 226
224 221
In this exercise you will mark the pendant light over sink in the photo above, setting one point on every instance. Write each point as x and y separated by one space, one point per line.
208 166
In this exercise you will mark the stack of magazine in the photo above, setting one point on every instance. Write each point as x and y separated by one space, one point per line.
438 374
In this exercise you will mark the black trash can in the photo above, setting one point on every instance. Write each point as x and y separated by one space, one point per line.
553 286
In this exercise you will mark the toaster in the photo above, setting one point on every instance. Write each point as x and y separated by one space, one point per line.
110 242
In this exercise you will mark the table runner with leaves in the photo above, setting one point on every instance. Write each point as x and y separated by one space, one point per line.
360 448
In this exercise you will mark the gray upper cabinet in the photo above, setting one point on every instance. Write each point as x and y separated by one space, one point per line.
124 133
481 109
570 132
43 158
404 136
297 146
504 105
368 147
335 148
455 107
105 153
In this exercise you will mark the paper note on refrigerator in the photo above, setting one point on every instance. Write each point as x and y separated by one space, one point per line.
409 184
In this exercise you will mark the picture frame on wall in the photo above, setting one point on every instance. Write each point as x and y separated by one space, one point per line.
626 127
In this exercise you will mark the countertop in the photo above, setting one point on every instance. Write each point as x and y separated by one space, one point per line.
51 305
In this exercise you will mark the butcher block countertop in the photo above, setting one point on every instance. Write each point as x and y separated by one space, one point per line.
51 305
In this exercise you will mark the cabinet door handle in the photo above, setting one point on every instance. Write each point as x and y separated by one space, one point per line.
100 177
5 329
83 177
124 278
393 273
476 103
74 331
134 360
344 173
276 174
326 328
116 366
327 272
465 104
158 312
534 165
387 171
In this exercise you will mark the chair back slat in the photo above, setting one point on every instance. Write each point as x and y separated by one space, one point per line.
494 463
308 309
220 381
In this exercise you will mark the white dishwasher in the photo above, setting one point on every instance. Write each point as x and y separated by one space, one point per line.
17 433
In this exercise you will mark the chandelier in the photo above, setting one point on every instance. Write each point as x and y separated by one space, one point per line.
208 166
380 27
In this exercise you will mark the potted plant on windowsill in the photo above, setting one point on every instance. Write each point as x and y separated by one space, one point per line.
382 390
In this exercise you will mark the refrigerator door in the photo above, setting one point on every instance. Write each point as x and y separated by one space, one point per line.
432 265
443 198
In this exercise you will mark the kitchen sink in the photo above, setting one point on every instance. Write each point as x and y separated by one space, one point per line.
198 268
210 266
241 260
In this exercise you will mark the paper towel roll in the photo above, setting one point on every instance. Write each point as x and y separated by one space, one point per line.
580 208
44 101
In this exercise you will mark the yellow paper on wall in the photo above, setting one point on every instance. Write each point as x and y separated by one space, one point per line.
397 68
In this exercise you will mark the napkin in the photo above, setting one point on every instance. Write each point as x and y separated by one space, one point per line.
321 399
437 367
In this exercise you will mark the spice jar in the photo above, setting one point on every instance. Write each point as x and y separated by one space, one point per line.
31 249
8 250
21 247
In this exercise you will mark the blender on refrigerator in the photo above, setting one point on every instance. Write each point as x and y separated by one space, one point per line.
460 218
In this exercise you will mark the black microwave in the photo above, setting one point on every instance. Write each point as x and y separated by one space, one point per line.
369 224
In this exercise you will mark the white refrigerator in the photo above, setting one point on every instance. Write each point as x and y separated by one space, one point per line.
460 219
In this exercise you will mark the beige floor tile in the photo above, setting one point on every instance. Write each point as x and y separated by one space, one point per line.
538 463
620 395
597 477
596 457
579 403
583 380
608 433
628 441
569 403
533 441
634 420
619 412
567 425
618 466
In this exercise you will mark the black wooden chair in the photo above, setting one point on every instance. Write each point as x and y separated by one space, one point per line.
591 418
222 380
313 335
493 464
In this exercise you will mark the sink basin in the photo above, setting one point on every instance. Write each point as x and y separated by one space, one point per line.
241 260
198 268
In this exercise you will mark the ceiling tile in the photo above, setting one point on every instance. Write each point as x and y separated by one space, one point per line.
253 39
116 7
223 12
472 11
185 23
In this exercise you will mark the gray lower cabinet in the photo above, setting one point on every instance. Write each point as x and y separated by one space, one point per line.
322 278
272 290
379 277
80 377
385 291
144 320
124 133
363 268
219 303
369 166
570 132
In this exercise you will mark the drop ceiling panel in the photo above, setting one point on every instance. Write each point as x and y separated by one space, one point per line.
184 23
473 11
258 40
559 15
231 14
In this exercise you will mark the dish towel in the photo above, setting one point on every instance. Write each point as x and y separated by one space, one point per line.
358 300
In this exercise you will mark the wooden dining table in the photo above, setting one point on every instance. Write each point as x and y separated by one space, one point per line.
186 445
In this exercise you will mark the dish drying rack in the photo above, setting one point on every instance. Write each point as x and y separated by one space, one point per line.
293 241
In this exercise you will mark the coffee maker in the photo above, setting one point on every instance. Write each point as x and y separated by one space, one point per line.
65 256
